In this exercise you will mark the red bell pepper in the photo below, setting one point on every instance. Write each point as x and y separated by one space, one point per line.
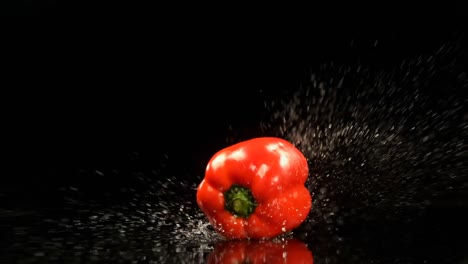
255 189
241 251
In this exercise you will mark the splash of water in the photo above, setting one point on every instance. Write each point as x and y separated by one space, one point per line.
381 144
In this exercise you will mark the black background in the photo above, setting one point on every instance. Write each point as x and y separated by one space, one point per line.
90 86
102 87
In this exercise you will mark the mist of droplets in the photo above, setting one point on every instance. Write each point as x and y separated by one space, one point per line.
156 226
383 144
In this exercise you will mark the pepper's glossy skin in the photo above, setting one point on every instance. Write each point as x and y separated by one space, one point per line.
274 170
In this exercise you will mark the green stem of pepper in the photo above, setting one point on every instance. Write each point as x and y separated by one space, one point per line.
239 201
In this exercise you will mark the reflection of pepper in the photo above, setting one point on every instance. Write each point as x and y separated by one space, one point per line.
241 251
255 189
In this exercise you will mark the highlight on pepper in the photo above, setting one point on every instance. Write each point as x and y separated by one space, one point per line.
255 189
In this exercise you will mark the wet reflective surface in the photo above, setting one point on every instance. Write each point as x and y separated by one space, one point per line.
133 238
286 251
